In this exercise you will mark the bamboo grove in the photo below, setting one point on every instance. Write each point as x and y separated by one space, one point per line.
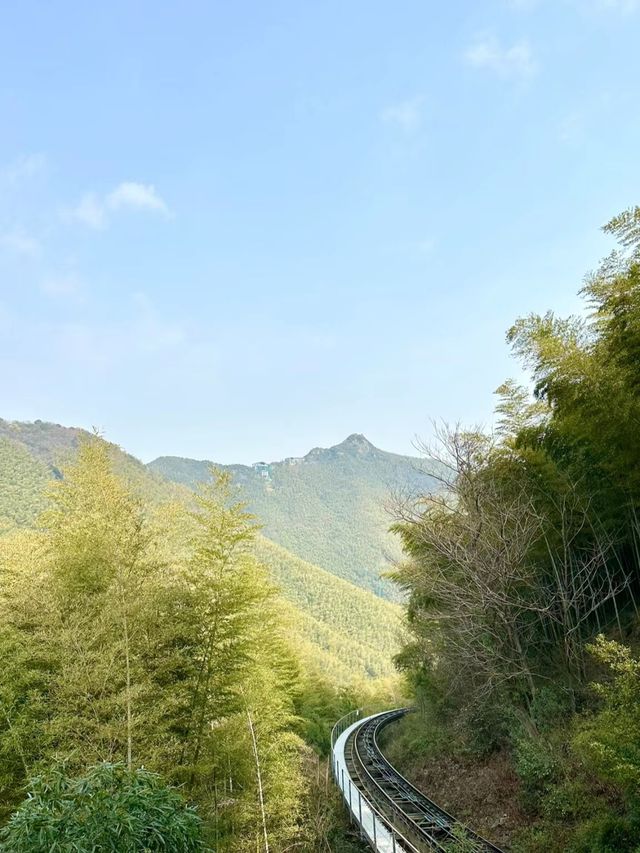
138 639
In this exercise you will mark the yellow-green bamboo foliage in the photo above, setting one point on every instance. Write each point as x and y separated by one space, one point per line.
151 638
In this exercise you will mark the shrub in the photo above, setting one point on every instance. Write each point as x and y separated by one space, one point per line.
461 841
609 741
549 707
609 834
107 809
537 768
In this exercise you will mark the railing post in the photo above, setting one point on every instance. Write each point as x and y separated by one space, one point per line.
360 808
375 840
343 781
393 840
350 811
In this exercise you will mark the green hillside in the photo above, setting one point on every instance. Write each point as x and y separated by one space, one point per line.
343 629
356 628
23 479
48 446
327 507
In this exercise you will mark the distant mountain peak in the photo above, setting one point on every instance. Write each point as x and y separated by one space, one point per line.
356 441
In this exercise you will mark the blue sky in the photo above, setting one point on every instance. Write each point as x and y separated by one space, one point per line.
240 230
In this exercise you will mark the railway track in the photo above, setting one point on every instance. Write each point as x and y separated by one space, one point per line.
415 823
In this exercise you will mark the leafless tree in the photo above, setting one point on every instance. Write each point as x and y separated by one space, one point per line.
498 581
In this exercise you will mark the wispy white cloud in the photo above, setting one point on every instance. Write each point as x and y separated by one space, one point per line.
64 285
90 211
130 194
406 114
94 211
516 60
143 333
624 6
426 246
20 242
23 167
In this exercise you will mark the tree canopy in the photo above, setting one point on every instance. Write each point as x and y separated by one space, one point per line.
531 551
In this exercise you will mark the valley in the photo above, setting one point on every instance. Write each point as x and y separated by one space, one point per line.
341 626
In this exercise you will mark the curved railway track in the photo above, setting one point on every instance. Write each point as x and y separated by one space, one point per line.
415 822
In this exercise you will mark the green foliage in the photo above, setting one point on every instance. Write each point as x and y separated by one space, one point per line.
321 702
42 447
609 740
141 624
536 765
23 480
599 831
51 444
461 842
571 799
608 834
357 631
626 228
327 507
327 827
339 628
516 411
531 554
108 808
550 705
417 737
154 641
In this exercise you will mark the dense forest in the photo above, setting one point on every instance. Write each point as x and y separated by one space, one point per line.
150 665
347 630
328 507
523 577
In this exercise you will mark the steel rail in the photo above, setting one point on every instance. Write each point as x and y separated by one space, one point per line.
423 825
375 826
380 787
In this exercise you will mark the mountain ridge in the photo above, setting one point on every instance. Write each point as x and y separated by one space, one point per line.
356 441
328 506
335 624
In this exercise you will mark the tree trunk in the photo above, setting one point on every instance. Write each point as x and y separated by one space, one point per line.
259 780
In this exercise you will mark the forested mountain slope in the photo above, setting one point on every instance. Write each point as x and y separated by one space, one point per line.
23 479
49 446
345 630
355 631
328 507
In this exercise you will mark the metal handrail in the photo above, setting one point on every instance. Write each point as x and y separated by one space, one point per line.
341 725
394 808
376 722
